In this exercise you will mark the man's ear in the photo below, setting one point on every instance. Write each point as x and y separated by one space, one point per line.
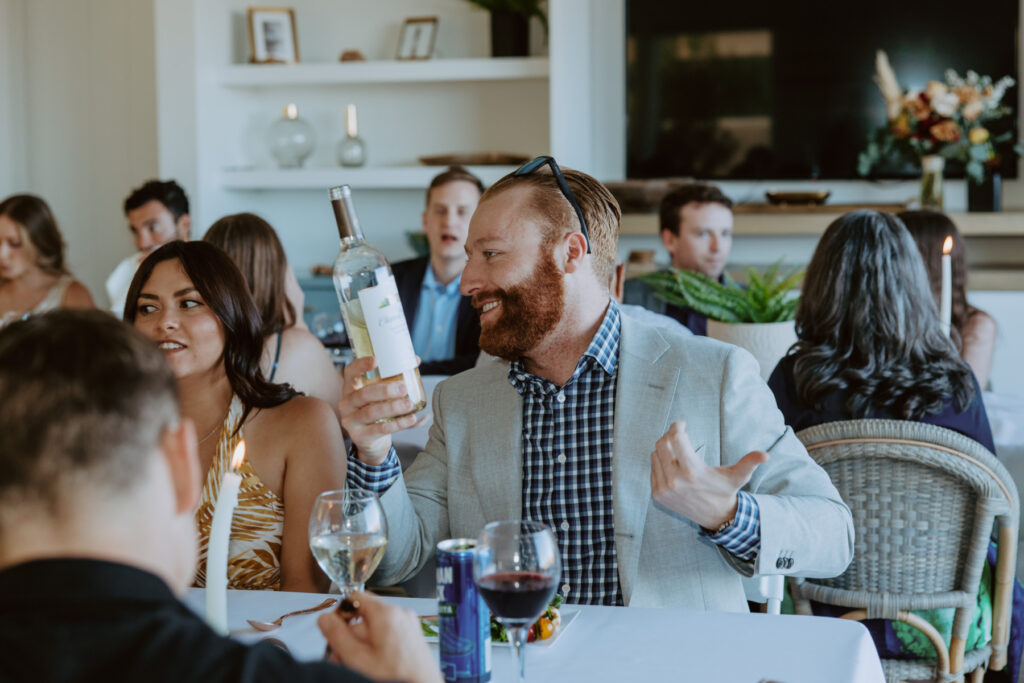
575 251
423 221
181 451
669 240
184 225
618 282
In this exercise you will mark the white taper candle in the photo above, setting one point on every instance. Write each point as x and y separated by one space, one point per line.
946 303
217 548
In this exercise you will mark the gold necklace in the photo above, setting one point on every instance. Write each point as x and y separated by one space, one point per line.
216 425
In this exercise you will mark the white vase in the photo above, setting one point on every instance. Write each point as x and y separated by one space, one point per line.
767 342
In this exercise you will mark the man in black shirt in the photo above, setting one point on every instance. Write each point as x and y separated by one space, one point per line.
99 478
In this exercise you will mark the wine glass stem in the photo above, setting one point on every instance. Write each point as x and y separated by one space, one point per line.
519 640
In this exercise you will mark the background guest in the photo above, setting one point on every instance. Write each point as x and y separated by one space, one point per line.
157 213
33 277
975 329
191 300
291 354
696 229
97 535
445 328
870 345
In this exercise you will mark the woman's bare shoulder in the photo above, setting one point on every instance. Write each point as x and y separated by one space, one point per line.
980 323
77 296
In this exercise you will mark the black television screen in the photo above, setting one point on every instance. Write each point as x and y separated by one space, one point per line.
749 89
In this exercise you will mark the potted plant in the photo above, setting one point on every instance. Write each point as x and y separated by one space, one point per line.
757 317
510 25
950 120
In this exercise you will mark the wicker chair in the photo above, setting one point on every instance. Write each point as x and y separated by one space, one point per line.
924 501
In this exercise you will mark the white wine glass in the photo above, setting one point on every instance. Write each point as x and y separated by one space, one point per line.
348 533
516 567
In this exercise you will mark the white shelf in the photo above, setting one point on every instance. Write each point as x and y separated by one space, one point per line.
394 71
387 177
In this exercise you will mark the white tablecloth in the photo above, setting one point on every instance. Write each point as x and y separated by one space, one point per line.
625 644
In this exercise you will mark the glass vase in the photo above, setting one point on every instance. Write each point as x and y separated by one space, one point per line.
932 167
291 139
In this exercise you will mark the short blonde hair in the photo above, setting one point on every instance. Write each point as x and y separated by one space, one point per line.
600 211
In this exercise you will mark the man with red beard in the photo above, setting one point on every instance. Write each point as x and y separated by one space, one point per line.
659 460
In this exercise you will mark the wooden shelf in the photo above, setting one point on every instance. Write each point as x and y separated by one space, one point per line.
387 177
394 71
802 223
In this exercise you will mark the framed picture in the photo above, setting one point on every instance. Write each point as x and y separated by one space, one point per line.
272 35
417 38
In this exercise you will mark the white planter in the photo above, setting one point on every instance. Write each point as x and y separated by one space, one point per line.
767 342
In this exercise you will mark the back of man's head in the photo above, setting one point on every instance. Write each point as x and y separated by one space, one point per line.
86 400
697 193
167 192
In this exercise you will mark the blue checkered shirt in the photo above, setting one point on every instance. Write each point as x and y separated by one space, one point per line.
568 444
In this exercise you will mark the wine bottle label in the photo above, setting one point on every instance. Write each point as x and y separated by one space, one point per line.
385 322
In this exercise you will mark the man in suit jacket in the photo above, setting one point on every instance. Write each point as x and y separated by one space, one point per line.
659 459
97 529
444 326
696 228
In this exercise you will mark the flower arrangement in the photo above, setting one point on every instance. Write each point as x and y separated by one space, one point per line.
948 119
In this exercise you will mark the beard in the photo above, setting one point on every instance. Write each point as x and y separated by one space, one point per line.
528 311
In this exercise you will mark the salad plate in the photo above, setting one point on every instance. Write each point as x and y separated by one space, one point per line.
429 624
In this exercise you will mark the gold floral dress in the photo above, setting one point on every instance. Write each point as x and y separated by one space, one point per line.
254 549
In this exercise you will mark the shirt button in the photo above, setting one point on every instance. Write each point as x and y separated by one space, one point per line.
565 588
561 458
565 526
561 397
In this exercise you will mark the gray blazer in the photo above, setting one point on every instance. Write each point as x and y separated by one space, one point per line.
471 473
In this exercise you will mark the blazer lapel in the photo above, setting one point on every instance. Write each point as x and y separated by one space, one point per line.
496 444
644 393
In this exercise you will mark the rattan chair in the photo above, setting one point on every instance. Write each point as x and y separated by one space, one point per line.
924 502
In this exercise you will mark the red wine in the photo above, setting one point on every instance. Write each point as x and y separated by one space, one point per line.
517 596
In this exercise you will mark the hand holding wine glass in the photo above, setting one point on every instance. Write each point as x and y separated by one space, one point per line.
516 567
348 533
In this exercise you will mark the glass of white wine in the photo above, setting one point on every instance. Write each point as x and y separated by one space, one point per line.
348 533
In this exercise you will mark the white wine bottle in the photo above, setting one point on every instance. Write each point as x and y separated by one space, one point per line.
370 305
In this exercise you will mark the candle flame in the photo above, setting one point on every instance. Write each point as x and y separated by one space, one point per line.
947 246
238 456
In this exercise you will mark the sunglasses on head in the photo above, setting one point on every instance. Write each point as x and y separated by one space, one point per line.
531 166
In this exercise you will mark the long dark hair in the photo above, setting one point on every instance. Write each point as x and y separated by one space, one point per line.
867 324
223 288
930 229
253 245
34 217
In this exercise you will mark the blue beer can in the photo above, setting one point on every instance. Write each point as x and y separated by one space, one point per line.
463 620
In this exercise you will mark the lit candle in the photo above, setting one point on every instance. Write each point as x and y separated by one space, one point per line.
217 547
946 303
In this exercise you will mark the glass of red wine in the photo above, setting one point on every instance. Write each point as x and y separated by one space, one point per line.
516 567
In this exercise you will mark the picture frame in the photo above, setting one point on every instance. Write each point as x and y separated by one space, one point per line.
272 36
417 38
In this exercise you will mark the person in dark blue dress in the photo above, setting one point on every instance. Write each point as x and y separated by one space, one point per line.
870 345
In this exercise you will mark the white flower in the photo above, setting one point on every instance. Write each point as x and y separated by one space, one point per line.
945 104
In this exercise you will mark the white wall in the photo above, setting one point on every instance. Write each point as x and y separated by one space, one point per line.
80 120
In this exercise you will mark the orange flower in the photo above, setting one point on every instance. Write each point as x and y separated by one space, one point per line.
916 106
946 131
972 110
967 93
977 135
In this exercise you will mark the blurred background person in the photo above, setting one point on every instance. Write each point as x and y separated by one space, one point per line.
291 354
193 303
696 228
975 330
33 276
445 328
157 213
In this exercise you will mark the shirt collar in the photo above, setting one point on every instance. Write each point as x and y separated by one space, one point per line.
430 282
602 351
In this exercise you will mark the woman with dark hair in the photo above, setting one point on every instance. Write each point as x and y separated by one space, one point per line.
190 299
290 354
870 345
33 278
975 330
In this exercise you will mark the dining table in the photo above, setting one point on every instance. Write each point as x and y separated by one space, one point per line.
597 643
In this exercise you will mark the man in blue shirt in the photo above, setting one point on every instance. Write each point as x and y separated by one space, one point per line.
696 228
444 326
659 459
